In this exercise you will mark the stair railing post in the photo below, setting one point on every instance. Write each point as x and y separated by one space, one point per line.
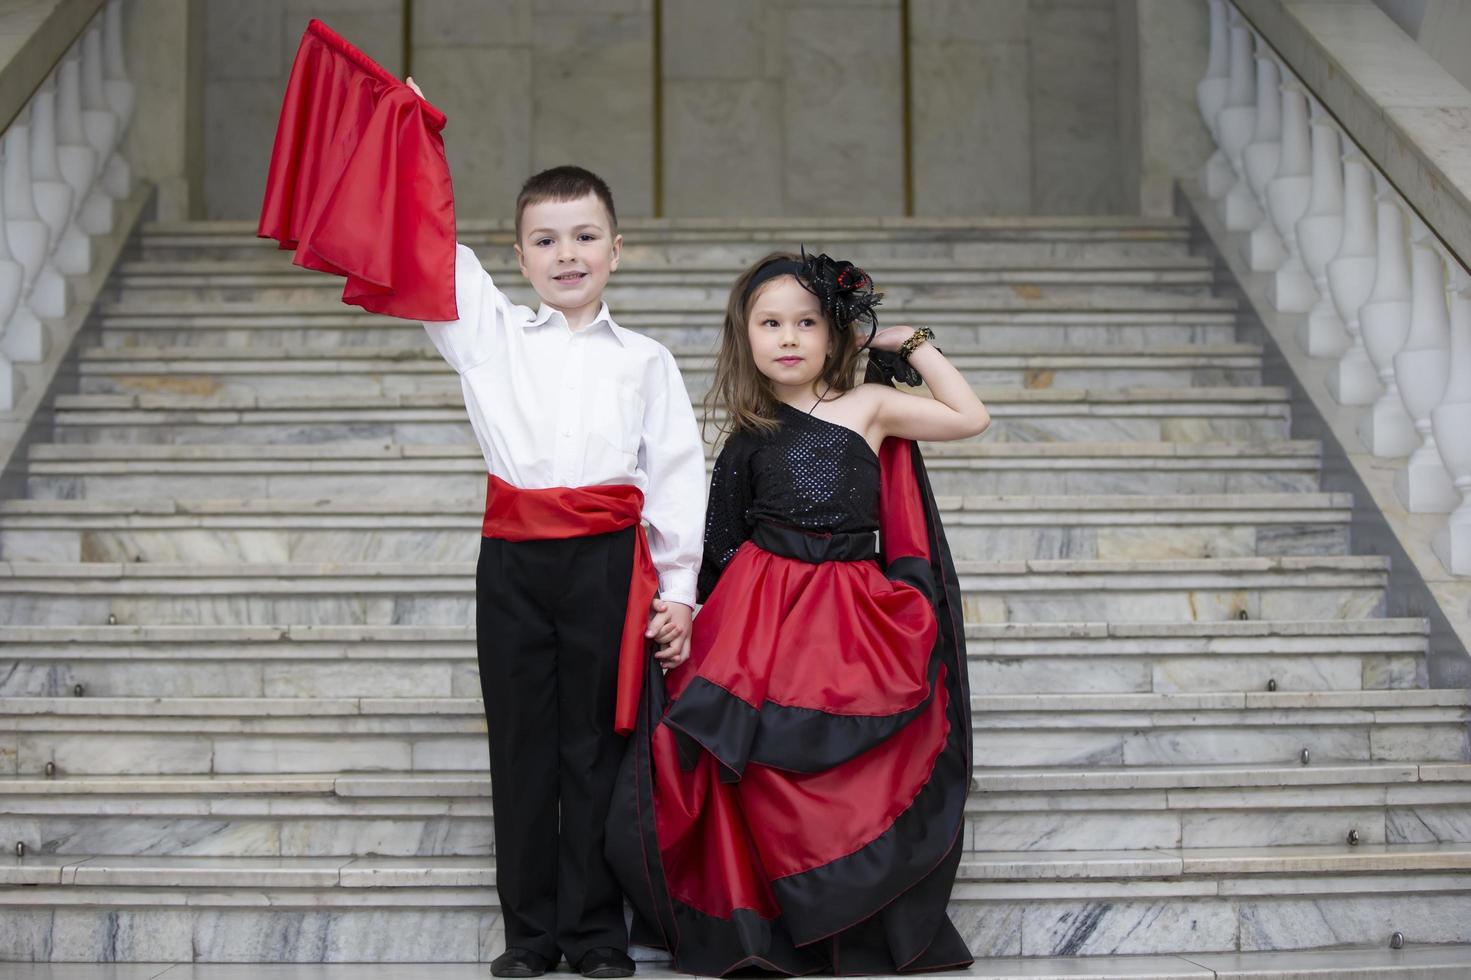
1319 233
101 127
1210 91
1386 429
1422 371
1288 195
121 96
1451 423
76 160
1350 275
1237 118
12 282
1243 207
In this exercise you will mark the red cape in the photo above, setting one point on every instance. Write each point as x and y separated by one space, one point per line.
359 185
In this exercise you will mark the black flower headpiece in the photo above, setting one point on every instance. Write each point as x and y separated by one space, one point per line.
845 292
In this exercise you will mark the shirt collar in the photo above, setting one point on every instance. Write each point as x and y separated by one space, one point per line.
546 314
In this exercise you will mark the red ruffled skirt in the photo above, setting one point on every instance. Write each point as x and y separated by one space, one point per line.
794 798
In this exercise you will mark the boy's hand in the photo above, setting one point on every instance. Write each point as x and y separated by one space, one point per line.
415 86
669 627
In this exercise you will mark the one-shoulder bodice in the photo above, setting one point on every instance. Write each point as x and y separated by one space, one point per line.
810 474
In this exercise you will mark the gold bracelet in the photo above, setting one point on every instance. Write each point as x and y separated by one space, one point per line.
919 336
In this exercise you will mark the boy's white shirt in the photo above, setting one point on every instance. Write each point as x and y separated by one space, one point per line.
599 406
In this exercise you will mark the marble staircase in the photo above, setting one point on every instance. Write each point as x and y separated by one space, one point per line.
239 712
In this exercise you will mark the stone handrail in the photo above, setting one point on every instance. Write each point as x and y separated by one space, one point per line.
61 177
1382 298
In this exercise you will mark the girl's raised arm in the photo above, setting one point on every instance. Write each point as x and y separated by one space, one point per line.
953 413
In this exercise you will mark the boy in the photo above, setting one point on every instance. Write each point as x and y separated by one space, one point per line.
573 412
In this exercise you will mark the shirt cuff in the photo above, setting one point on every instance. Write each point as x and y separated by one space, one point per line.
677 585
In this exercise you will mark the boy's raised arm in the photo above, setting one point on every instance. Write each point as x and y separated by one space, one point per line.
473 339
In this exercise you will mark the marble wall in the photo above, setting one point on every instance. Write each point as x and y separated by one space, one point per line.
165 52
769 107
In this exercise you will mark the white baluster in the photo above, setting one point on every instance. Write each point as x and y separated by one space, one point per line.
53 194
1386 429
22 336
1353 380
29 234
1321 333
12 282
101 128
1238 115
121 96
1288 194
1260 155
1210 92
77 161
1264 249
1422 371
1242 209
1451 423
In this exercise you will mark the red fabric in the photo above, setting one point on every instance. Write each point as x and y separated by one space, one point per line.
838 637
514 514
359 185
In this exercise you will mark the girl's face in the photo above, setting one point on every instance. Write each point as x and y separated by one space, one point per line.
789 336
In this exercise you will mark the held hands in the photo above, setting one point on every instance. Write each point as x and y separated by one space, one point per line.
669 627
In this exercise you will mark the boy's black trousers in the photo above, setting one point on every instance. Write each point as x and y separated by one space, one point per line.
548 620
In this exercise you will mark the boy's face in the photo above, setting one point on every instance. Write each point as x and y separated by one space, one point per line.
568 251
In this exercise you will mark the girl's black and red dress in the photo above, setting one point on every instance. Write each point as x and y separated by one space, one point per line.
794 795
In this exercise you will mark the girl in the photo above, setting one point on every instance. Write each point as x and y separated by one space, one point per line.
794 795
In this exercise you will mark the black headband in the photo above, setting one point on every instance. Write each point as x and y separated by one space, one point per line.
768 272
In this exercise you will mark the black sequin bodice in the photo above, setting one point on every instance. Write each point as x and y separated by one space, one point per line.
809 474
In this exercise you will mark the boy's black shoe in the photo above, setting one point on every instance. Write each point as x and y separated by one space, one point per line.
518 962
605 962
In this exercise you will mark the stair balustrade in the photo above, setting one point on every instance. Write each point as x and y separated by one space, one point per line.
1376 285
61 173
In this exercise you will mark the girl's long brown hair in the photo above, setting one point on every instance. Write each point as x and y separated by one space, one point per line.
739 386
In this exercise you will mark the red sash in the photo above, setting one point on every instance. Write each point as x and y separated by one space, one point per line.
514 514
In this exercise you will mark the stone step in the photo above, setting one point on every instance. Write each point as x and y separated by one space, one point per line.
124 736
269 276
676 305
1431 962
358 530
426 814
966 330
230 372
198 909
657 290
1083 415
499 260
438 593
440 661
377 469
966 241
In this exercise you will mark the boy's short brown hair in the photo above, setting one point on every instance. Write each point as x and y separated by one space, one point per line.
566 183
